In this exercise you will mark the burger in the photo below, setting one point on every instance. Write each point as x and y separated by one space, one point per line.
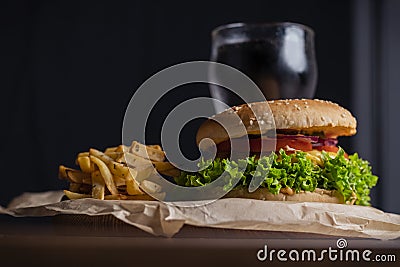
299 160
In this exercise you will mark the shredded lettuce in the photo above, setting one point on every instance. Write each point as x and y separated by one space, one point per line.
351 177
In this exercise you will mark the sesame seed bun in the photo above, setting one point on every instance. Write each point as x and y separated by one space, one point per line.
306 116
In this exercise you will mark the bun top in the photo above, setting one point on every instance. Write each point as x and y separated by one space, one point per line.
305 116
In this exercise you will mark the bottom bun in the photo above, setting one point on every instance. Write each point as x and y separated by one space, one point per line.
319 195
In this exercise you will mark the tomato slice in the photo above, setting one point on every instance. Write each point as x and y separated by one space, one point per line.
267 144
299 144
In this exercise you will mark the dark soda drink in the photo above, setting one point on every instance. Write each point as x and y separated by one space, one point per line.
279 58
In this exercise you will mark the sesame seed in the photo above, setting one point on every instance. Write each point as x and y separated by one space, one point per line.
322 118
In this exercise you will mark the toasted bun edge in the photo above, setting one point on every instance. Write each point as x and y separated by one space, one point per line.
306 115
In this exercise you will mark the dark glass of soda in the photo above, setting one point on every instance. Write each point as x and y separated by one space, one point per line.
278 57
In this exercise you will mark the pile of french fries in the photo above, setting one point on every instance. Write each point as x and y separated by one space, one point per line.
118 173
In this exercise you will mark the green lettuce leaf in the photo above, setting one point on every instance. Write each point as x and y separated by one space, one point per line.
351 177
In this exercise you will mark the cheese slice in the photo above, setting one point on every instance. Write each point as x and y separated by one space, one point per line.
316 156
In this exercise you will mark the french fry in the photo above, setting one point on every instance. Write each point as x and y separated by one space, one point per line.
151 186
132 187
98 185
114 155
118 169
73 195
110 149
144 173
98 154
105 173
85 164
122 148
62 172
146 152
83 154
119 181
133 160
73 175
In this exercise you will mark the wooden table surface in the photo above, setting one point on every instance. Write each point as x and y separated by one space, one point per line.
60 241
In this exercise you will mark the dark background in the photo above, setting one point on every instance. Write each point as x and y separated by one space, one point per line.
69 69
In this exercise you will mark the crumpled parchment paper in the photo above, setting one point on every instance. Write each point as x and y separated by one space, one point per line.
246 214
